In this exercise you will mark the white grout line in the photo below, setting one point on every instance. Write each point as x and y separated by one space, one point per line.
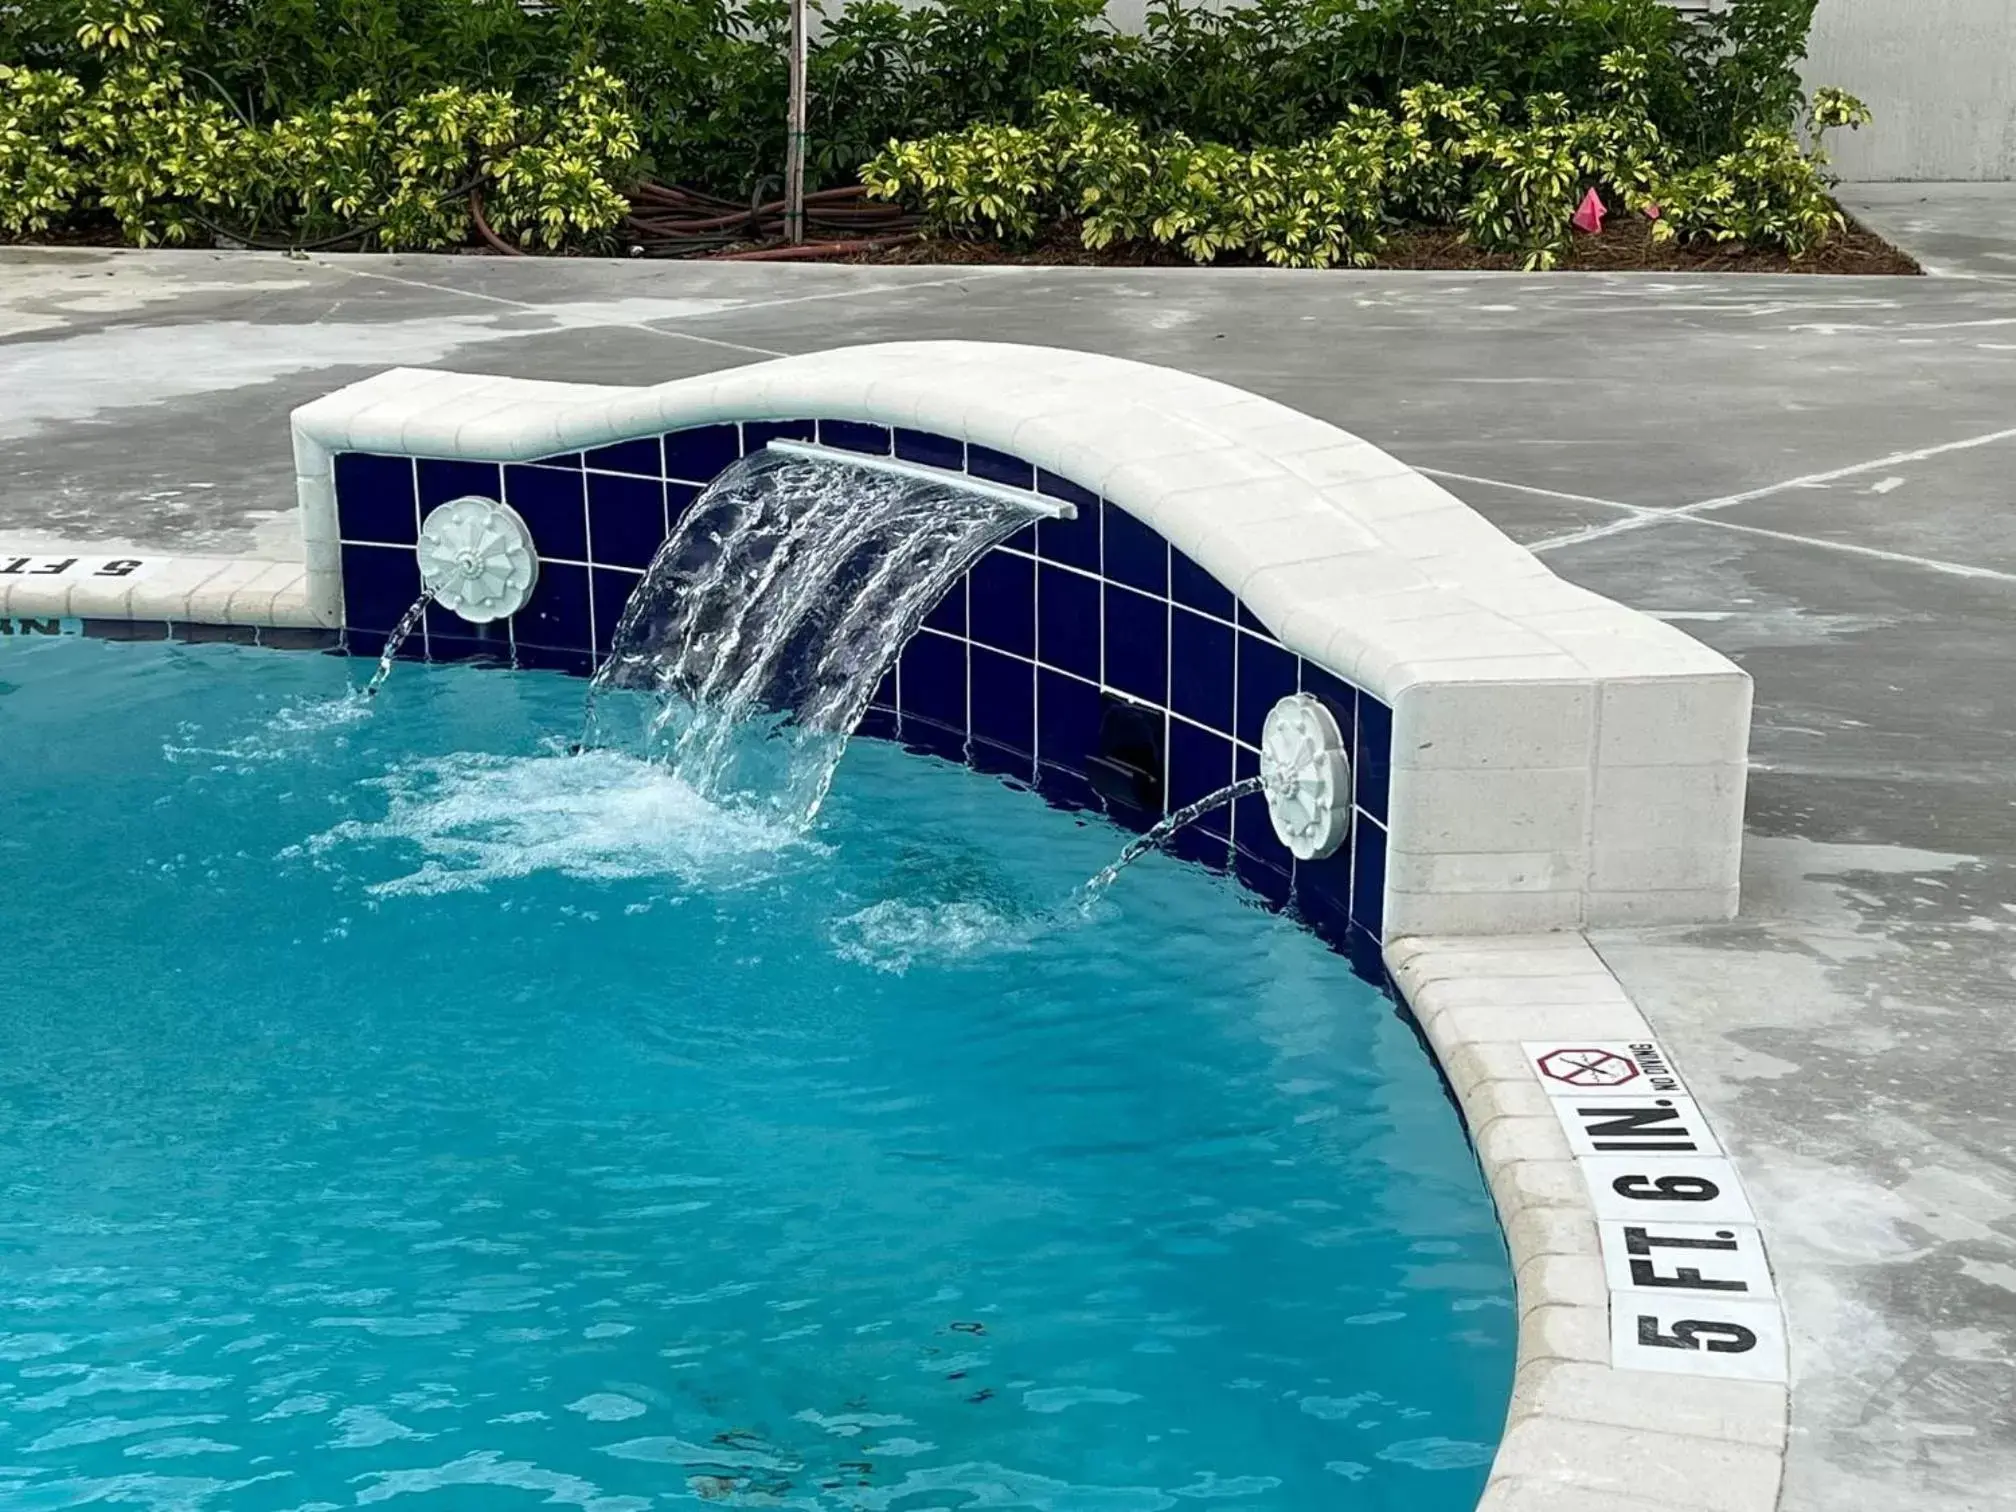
1903 558
1644 515
1544 493
675 331
538 309
1727 501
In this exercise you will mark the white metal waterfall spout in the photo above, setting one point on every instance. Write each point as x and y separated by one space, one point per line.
1306 777
477 559
1036 504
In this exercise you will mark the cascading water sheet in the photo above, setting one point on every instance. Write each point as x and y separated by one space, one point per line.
758 635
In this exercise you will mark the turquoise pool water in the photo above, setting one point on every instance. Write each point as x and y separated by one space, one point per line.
394 1108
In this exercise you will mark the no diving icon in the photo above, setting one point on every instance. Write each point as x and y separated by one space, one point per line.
1588 1068
1578 1067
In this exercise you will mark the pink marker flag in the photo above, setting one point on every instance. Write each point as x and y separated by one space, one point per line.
1590 216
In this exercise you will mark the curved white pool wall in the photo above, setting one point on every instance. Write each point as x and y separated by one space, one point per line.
1558 760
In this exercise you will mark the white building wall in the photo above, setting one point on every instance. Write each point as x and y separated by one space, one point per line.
1940 76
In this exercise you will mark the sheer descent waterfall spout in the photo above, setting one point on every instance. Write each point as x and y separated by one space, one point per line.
767 619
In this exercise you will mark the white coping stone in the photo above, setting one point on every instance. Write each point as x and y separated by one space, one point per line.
1559 760
197 590
1659 1469
1601 1421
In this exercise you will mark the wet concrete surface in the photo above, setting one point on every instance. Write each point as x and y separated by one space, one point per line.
1949 228
1817 476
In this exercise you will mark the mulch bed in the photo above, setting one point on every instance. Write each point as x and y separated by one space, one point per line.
1625 246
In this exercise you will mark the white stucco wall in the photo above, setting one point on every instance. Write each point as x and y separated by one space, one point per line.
1940 76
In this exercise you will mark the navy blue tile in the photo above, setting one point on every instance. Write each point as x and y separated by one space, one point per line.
555 659
1067 621
928 450
1323 896
1274 885
1200 669
452 638
877 724
678 498
1001 607
1196 844
934 680
699 455
1246 619
949 613
1373 761
1339 697
626 520
612 591
1024 540
1067 720
557 615
1368 877
1266 676
757 434
1001 761
554 504
641 457
1075 543
1133 553
1051 486
1368 959
1066 789
932 738
1137 644
1004 701
1192 585
1199 764
379 584
441 481
559 459
1252 829
852 435
999 467
374 499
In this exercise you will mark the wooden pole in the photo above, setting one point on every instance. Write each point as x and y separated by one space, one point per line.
794 149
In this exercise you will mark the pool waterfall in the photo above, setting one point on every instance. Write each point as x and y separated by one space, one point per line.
751 648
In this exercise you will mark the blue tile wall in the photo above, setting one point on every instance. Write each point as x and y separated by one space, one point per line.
1008 673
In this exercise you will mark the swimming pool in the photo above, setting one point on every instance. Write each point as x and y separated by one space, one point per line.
394 1104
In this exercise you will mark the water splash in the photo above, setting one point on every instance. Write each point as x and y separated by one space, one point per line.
477 820
894 934
1096 888
408 623
759 634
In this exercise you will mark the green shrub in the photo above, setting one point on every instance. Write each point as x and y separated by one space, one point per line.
167 159
1313 204
705 78
1445 156
1234 130
1769 192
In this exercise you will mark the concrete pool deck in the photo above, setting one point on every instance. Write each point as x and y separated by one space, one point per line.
1813 476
